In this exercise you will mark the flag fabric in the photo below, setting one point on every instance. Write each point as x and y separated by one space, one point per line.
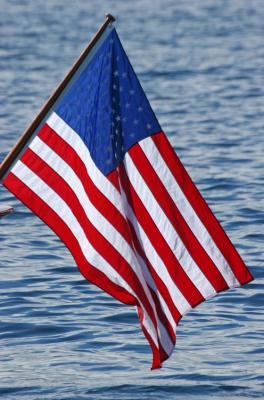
104 177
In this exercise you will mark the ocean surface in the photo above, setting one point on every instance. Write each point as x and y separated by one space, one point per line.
201 65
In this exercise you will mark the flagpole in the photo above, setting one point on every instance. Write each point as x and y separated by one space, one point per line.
22 141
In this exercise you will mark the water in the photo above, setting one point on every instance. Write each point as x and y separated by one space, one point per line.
201 64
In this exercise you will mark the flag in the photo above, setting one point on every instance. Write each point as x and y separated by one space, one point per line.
104 177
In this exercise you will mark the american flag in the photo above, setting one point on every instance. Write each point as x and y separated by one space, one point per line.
104 177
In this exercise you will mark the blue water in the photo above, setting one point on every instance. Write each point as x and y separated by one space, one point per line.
201 65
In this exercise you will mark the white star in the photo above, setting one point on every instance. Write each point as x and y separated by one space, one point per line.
135 122
140 109
127 105
132 135
148 126
125 119
124 74
132 91
118 118
116 73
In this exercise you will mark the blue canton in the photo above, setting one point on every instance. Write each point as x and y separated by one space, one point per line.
107 106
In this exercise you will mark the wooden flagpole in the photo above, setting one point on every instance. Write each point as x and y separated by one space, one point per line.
21 143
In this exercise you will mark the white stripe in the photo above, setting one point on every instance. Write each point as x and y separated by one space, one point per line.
153 286
51 198
152 153
167 230
96 218
74 140
177 297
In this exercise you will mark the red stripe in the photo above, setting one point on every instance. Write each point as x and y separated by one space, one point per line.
196 251
202 210
97 240
162 317
158 281
113 178
181 279
156 360
99 200
47 215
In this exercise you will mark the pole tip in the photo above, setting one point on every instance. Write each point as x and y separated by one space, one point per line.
110 17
